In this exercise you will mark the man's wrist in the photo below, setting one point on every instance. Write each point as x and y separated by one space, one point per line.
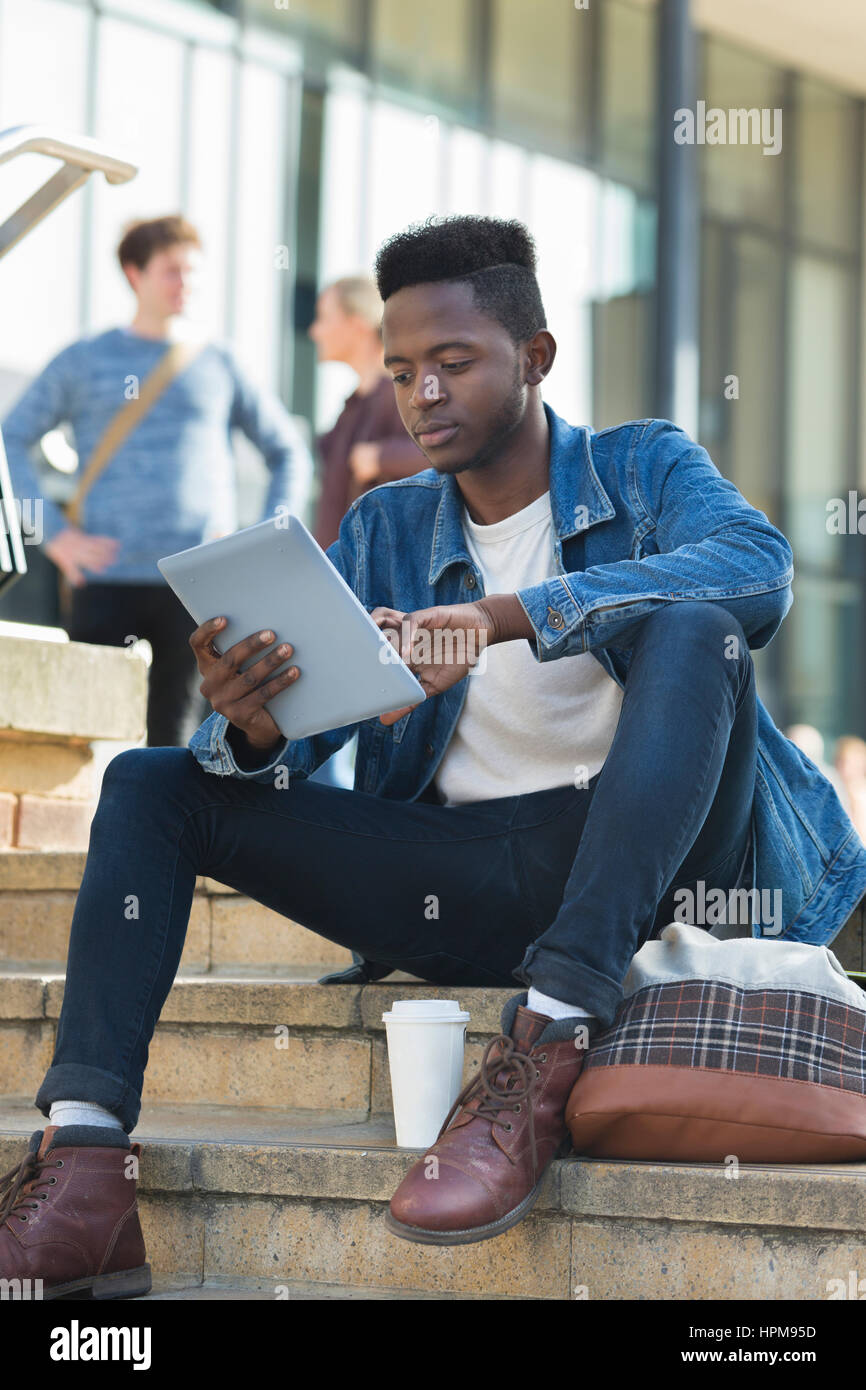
247 756
508 618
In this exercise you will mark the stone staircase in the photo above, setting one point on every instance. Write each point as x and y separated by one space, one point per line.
269 1150
268 1142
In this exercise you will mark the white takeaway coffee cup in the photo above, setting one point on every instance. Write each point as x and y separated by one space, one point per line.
425 1054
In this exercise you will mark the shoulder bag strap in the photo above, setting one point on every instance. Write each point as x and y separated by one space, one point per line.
169 366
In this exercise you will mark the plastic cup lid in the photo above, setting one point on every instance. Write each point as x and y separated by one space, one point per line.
425 1011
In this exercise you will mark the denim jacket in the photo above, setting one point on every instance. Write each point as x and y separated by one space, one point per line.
642 517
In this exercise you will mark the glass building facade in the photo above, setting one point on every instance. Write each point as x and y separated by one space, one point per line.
299 135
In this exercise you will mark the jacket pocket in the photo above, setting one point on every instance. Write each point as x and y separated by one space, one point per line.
399 729
371 739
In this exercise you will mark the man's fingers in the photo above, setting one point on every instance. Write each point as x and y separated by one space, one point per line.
409 642
414 651
254 645
393 715
387 617
270 686
200 640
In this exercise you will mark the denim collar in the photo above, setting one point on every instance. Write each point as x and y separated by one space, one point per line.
577 498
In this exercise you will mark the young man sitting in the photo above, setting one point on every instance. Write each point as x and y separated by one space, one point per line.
611 751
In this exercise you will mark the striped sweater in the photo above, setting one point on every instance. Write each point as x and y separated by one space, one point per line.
172 483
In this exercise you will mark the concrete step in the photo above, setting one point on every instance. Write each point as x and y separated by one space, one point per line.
247 1290
38 889
227 931
269 1202
247 1041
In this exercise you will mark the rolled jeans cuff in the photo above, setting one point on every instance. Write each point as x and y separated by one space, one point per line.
562 978
74 1081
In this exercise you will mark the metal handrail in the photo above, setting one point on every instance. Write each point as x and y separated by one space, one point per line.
81 150
81 157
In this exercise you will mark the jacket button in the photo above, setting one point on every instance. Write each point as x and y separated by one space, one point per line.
555 618
429 750
470 580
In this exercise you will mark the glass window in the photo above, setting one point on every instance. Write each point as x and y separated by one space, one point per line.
825 182
509 170
209 170
466 170
336 19
625 258
343 246
344 145
43 81
426 48
567 270
627 92
260 228
415 195
819 410
739 180
741 305
622 354
141 117
750 384
712 430
538 67
623 272
818 666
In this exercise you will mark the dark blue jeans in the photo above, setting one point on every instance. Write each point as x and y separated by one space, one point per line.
557 888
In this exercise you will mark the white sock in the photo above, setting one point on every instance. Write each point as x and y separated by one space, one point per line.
81 1112
554 1008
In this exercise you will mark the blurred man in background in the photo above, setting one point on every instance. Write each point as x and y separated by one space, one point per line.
368 444
170 484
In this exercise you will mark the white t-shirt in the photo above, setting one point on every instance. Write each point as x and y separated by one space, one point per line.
526 725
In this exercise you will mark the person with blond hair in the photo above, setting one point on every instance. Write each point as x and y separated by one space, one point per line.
367 444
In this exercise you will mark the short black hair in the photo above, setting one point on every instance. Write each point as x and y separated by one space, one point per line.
494 256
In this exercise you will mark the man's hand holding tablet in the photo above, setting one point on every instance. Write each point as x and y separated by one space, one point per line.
241 695
275 574
442 645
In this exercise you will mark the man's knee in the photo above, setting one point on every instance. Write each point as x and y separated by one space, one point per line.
146 768
709 626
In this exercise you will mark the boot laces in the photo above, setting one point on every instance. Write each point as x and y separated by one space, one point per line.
492 1099
20 1183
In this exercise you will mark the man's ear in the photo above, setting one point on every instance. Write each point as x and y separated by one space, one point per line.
541 351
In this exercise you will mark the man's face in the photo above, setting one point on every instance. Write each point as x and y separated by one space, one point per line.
165 284
458 375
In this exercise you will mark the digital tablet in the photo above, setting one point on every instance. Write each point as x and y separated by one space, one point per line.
275 576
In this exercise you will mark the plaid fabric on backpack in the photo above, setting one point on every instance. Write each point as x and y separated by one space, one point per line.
747 1047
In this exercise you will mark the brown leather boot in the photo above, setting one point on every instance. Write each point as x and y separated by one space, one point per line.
69 1216
509 1126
